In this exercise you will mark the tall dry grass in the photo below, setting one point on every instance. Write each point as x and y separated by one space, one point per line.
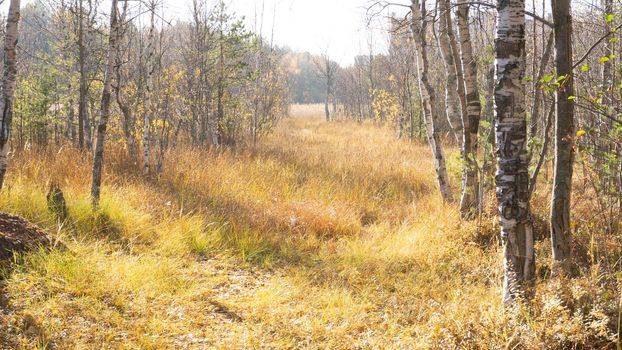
323 236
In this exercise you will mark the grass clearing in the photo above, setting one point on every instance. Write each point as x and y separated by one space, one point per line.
324 236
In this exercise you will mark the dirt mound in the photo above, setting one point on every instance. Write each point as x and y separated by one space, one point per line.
19 235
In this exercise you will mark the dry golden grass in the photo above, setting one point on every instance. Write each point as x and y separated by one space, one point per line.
306 110
324 236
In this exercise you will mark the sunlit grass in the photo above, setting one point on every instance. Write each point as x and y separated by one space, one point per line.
323 236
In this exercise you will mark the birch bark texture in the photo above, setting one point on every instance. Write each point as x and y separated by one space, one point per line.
469 201
147 103
428 98
8 84
512 177
452 103
104 112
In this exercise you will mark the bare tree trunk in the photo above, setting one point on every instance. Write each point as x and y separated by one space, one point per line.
470 181
328 86
459 73
428 96
564 135
452 103
327 69
539 94
98 158
71 130
326 110
146 141
220 133
512 176
545 147
83 122
127 121
8 84
147 117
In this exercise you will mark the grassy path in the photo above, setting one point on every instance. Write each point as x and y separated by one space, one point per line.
324 236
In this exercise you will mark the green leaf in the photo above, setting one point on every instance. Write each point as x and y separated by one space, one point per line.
604 59
609 18
613 40
580 133
572 98
547 78
585 67
561 78
484 124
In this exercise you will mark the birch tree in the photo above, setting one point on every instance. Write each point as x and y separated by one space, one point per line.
469 200
327 70
150 66
512 178
104 112
452 102
8 83
128 120
428 98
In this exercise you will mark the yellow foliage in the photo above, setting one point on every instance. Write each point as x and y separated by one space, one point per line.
385 106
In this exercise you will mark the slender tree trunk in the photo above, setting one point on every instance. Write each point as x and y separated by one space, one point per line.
428 96
608 47
489 168
147 117
146 141
459 73
545 148
8 84
83 90
452 102
219 136
88 131
326 110
71 130
512 177
127 122
539 94
564 135
470 181
98 158
606 126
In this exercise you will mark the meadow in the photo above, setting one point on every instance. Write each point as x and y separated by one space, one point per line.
324 235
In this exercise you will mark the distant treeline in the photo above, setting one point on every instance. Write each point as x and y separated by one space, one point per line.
306 85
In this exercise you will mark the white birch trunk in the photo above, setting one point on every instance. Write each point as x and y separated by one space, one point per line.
452 103
512 178
8 84
428 97
469 201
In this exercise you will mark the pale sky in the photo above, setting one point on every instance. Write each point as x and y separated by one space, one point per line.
336 26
